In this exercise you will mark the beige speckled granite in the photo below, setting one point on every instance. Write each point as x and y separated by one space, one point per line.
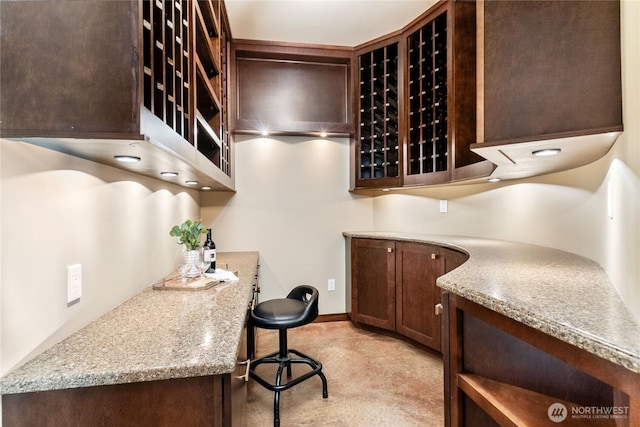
155 335
561 294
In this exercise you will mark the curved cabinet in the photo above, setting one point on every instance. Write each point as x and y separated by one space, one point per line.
392 286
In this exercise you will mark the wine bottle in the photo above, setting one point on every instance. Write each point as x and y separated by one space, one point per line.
210 252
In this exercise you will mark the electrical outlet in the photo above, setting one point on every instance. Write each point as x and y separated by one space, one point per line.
444 206
74 282
331 284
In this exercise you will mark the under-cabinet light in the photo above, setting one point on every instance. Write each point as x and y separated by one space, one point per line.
494 179
323 134
169 173
546 152
191 182
127 159
206 187
264 133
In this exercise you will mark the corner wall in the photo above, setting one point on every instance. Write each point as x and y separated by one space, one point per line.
292 205
57 210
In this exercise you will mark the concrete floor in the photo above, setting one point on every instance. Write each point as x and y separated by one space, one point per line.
373 380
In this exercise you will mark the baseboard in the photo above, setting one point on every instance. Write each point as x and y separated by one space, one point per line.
338 317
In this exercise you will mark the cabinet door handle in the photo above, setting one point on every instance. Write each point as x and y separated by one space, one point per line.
245 377
434 256
439 309
389 250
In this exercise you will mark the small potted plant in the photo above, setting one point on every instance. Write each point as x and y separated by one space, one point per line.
189 233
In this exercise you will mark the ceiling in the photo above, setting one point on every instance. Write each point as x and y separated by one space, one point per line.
327 22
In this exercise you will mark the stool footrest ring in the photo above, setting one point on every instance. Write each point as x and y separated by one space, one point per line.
302 358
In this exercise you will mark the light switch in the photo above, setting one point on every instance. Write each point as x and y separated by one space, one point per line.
74 282
610 199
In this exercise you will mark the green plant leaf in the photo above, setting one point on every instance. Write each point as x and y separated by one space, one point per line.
189 233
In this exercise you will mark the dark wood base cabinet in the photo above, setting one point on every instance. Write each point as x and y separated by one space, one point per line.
214 400
198 401
393 286
501 372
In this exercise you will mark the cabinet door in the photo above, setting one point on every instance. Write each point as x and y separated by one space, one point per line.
417 268
373 282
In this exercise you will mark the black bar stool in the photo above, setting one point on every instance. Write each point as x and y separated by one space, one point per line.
298 308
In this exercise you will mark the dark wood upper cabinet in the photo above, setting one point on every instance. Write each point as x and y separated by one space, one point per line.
491 80
142 78
417 102
549 77
53 84
290 89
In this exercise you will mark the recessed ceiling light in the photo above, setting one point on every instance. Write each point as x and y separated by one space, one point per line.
206 187
169 173
494 179
546 152
127 159
191 182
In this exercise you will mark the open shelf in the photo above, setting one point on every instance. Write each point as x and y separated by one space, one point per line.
207 46
207 141
207 102
509 405
209 16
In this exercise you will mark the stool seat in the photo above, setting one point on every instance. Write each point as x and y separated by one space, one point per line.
298 308
279 313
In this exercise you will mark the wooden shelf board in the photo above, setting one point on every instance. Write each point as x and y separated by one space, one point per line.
208 15
201 26
210 132
210 90
514 406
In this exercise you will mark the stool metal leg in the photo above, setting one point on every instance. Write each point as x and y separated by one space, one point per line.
284 360
276 398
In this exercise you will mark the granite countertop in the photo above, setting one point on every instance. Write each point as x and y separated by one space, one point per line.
156 335
561 294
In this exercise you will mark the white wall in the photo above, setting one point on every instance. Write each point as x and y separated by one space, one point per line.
57 210
292 205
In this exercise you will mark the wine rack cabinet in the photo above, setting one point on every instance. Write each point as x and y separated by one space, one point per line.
166 67
185 86
428 131
379 151
416 123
